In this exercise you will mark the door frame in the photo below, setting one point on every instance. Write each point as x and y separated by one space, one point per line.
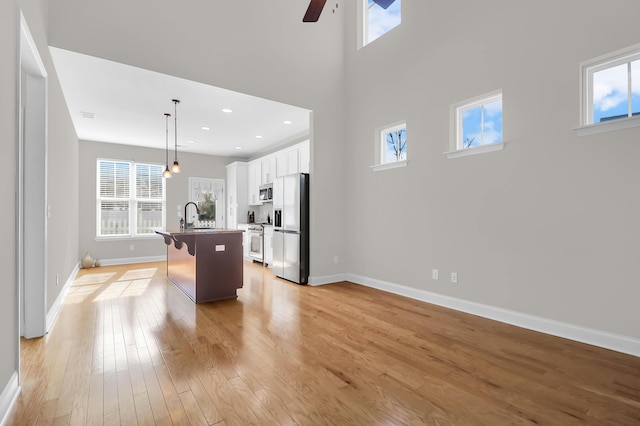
31 202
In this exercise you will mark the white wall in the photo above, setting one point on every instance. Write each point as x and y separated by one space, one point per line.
9 25
204 166
62 193
62 171
255 47
548 226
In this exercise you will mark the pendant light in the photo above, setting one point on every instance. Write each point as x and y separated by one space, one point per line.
167 173
175 168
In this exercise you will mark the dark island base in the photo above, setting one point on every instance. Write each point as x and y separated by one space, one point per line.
206 266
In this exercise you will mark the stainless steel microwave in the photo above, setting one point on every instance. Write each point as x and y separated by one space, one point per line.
266 193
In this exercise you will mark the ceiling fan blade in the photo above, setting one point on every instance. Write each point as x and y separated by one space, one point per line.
384 3
314 10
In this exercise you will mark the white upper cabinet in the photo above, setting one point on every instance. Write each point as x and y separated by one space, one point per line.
304 155
255 178
268 169
287 162
263 170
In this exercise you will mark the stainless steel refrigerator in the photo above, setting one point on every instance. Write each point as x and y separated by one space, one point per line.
291 227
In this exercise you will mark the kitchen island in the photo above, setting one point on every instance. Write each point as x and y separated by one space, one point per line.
206 264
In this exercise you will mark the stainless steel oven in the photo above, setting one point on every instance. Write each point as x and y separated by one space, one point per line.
256 242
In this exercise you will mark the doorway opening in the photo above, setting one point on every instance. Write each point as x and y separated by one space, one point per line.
32 188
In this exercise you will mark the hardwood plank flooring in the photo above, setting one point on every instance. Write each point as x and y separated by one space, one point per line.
129 348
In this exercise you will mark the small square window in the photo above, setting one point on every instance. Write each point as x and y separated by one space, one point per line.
614 91
391 146
394 144
610 89
477 124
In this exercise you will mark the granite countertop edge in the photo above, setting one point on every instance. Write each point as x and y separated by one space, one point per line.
213 231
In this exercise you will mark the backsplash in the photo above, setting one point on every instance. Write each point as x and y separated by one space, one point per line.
262 213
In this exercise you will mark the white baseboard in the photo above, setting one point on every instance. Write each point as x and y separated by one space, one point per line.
8 398
327 279
130 260
589 336
52 315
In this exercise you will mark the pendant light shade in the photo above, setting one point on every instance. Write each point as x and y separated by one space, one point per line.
175 168
167 173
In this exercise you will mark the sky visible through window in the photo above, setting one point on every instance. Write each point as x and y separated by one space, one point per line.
611 92
382 20
482 127
395 145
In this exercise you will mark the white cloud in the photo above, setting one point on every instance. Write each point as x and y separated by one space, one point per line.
491 135
610 87
493 109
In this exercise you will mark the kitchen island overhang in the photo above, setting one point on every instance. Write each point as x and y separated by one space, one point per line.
206 264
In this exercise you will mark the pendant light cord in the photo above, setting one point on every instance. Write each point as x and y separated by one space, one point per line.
175 168
167 173
167 115
175 127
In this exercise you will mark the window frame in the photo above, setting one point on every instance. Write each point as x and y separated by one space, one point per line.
133 200
587 70
380 147
456 113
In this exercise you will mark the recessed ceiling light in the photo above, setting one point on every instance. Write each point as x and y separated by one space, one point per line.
191 141
238 147
227 110
205 128
258 137
87 114
288 122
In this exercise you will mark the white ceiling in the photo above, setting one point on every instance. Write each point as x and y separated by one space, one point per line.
129 103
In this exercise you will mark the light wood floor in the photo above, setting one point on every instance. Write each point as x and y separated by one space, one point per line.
128 348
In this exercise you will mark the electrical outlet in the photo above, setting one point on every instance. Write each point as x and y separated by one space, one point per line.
454 277
336 259
434 274
131 247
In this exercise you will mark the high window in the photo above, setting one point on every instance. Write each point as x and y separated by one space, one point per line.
380 16
611 91
130 198
391 146
477 124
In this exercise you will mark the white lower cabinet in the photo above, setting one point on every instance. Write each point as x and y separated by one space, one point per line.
245 240
268 245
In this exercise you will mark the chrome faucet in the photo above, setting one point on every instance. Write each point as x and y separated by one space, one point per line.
186 224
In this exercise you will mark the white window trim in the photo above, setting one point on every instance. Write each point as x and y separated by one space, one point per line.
587 69
455 129
379 148
497 146
133 204
387 166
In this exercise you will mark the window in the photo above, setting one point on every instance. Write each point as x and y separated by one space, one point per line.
610 92
391 146
130 198
477 125
379 17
